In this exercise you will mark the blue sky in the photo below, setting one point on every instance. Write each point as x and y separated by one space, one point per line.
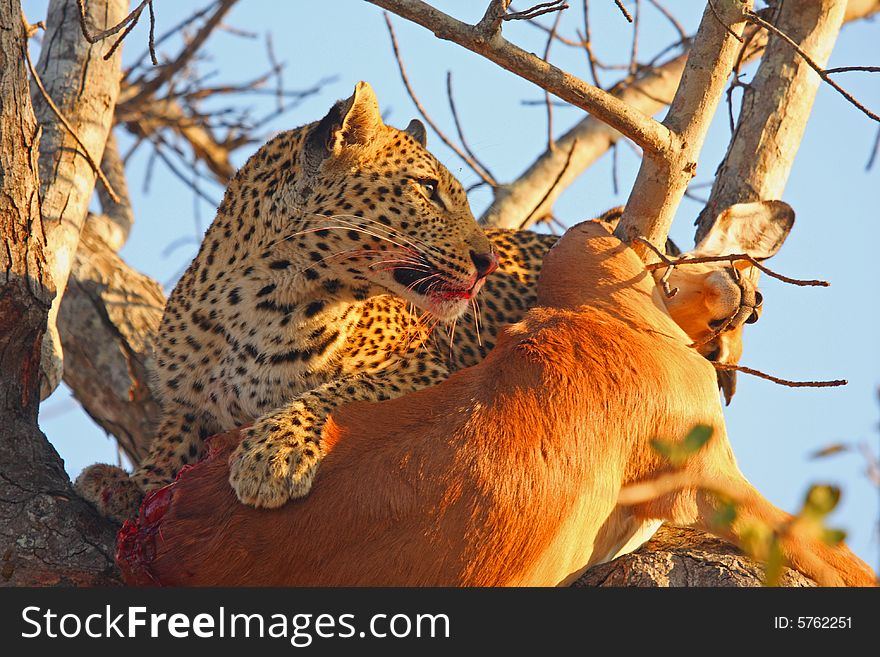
804 333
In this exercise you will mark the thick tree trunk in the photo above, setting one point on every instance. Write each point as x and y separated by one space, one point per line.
48 535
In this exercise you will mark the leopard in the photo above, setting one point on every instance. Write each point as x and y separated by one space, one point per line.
344 264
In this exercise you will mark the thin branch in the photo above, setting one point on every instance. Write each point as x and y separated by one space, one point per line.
757 20
94 37
169 70
551 144
623 11
167 35
682 34
152 39
656 139
588 45
525 221
492 180
634 51
473 164
847 69
537 10
666 262
775 379
57 112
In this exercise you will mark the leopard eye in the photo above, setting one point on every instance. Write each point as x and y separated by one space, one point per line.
431 188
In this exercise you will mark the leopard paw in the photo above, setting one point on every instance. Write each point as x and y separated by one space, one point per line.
111 490
273 464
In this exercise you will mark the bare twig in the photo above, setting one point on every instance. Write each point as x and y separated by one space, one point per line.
551 144
634 50
848 69
682 35
148 87
537 10
57 112
492 181
623 11
783 382
152 40
656 139
94 37
277 70
588 45
473 164
525 221
757 20
666 262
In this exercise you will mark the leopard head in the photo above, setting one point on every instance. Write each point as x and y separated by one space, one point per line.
386 214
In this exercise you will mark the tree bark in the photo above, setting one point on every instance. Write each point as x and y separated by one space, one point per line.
684 557
108 323
662 181
48 535
775 109
84 87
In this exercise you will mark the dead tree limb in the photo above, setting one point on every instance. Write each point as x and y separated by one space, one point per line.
650 92
774 113
108 323
49 535
662 181
485 39
84 87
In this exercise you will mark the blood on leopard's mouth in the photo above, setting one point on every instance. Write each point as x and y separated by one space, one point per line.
433 285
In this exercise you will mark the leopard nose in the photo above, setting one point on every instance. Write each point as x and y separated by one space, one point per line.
485 263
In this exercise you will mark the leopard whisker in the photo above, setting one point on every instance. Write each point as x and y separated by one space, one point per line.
375 225
477 319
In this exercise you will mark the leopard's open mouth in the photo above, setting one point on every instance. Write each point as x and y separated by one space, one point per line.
434 285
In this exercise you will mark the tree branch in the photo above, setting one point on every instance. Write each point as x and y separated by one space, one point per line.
485 39
84 87
774 113
108 323
685 557
661 183
514 200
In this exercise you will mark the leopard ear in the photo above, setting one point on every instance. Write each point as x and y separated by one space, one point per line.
758 228
416 129
350 122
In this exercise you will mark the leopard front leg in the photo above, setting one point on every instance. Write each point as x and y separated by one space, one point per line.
179 441
279 456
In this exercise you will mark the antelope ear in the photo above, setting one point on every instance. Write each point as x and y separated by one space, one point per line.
350 122
417 130
758 229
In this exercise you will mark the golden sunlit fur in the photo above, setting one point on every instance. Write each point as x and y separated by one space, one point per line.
509 472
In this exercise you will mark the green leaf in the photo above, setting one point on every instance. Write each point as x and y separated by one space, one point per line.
820 501
681 451
833 536
724 516
696 438
774 566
